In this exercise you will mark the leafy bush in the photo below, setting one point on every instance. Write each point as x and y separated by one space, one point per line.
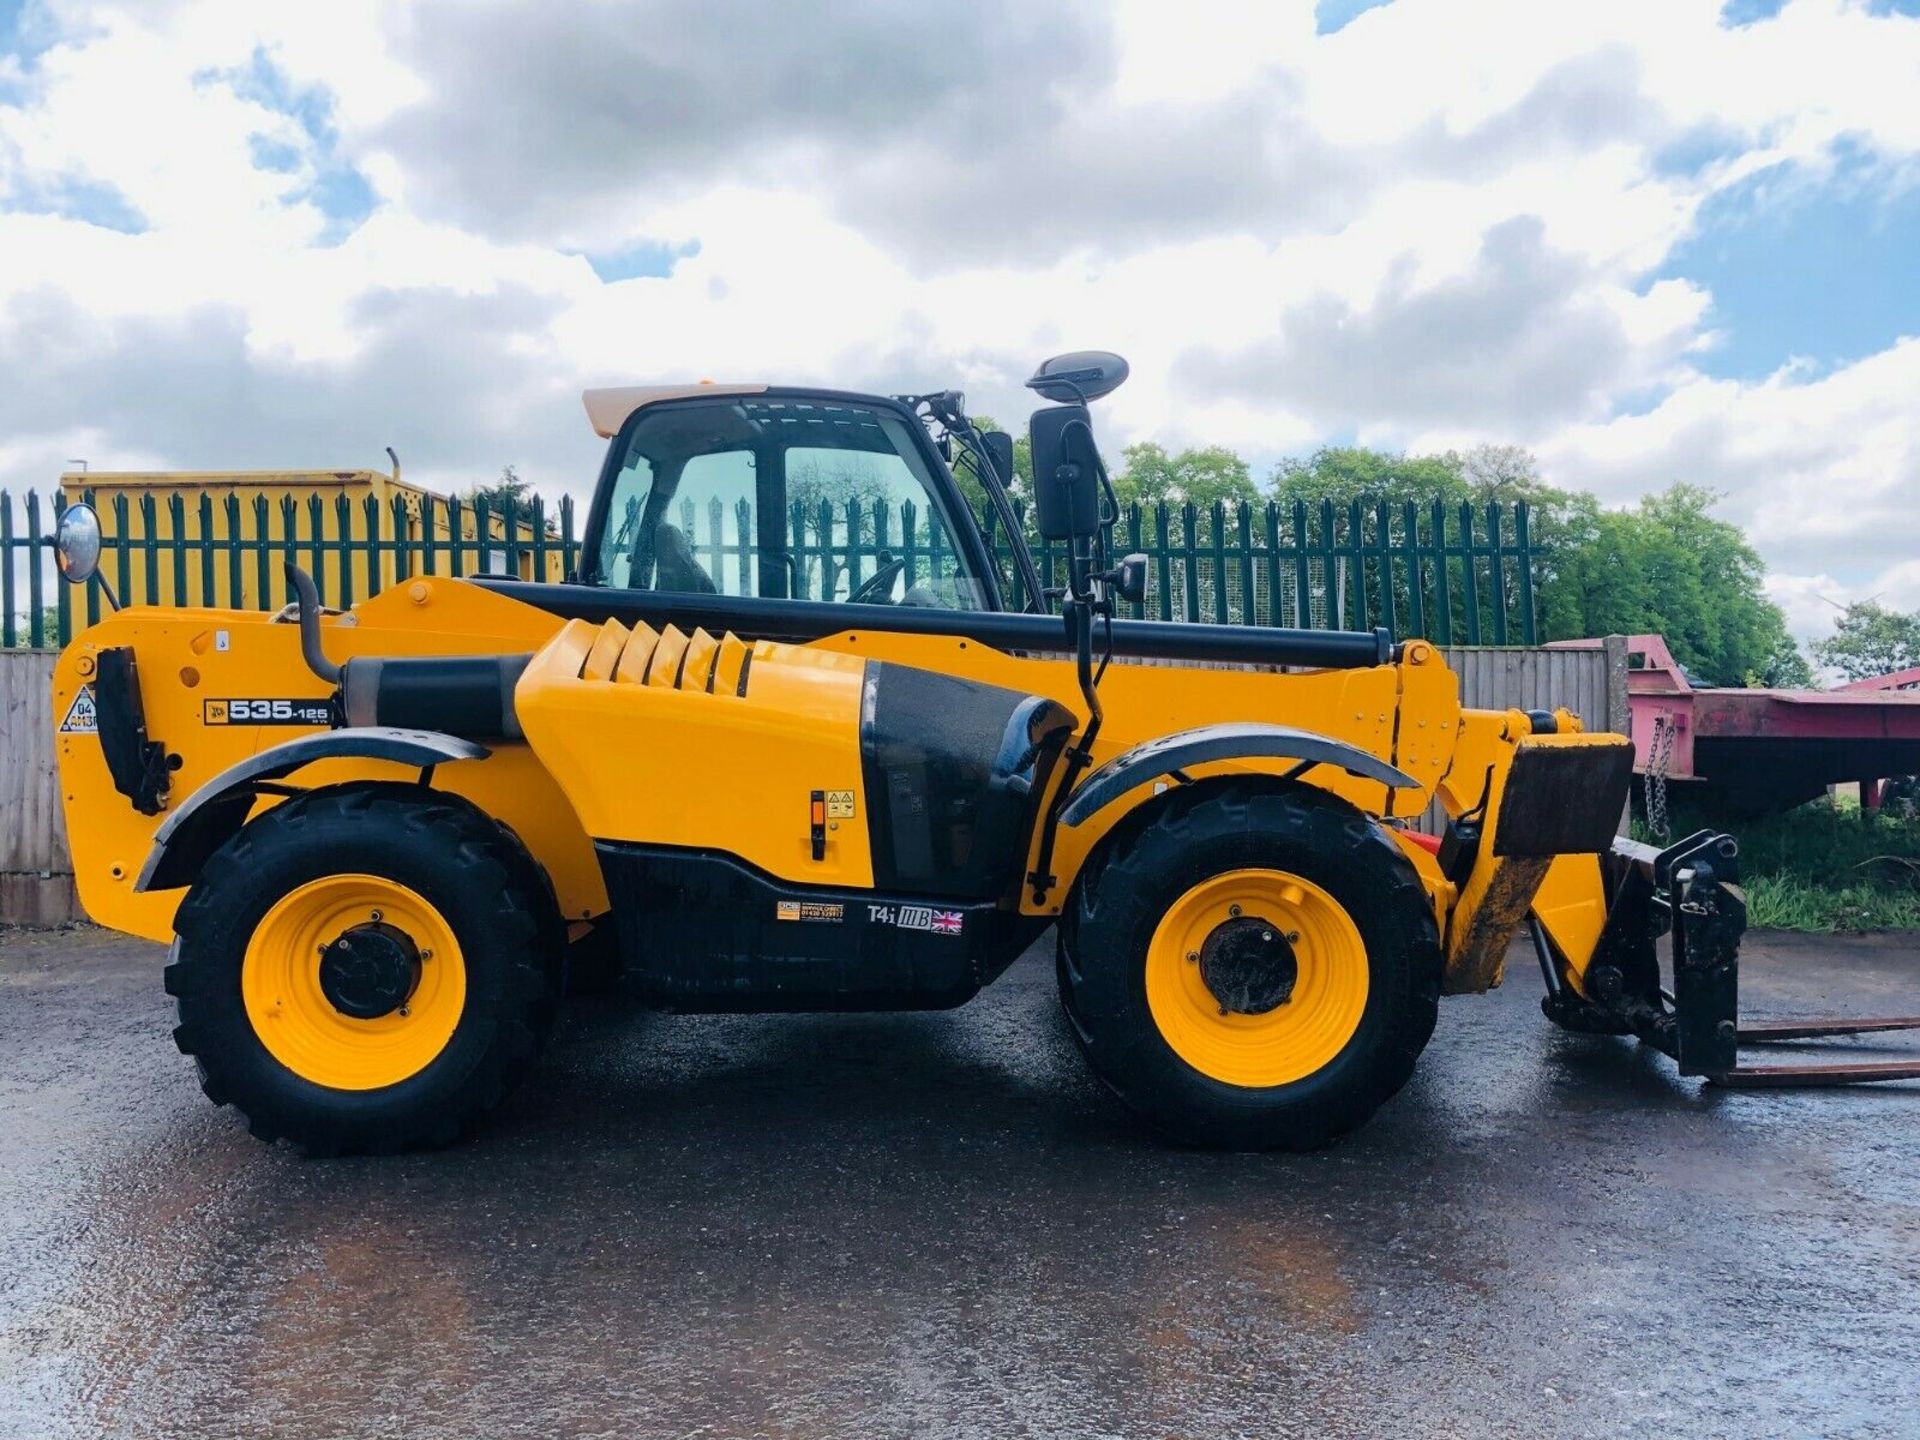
1824 868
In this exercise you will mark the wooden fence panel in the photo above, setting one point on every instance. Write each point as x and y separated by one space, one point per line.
1500 679
1590 683
36 870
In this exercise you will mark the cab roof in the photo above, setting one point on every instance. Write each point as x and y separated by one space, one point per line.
609 409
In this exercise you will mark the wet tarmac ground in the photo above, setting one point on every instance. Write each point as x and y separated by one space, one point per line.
938 1225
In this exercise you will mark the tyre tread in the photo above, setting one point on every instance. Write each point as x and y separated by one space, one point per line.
1107 910
523 921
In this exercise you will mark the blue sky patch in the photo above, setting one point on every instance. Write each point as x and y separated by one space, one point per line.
1700 147
650 258
345 197
266 84
20 32
26 31
1746 12
274 155
73 197
1797 268
1332 15
342 194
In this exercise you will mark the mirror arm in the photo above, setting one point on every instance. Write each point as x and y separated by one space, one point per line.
1078 613
1003 507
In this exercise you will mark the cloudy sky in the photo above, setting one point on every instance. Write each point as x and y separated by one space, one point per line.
1668 240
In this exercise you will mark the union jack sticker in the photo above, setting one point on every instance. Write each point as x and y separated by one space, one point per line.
917 917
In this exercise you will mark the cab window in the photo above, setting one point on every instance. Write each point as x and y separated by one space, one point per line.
797 499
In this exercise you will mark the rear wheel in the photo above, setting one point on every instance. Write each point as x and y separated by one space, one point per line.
1252 969
365 968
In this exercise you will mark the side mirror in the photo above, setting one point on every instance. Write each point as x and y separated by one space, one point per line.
1130 579
1081 375
76 543
1066 473
1000 450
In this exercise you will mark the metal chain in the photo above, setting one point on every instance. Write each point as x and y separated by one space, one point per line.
1656 780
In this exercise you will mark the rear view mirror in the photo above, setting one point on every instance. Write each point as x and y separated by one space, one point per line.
76 543
1066 473
1000 450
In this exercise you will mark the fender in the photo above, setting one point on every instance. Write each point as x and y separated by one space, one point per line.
1232 741
220 807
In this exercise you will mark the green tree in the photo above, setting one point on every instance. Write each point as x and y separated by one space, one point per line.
1199 477
508 488
1787 668
50 623
1561 524
1871 640
1669 565
1202 476
1341 476
1346 473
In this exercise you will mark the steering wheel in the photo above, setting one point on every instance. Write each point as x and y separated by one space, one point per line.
877 588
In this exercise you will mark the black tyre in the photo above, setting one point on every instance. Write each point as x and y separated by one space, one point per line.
366 968
1251 968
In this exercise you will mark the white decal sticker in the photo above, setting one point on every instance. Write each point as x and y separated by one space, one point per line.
917 917
82 718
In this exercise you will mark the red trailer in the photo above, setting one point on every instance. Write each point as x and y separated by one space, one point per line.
1751 752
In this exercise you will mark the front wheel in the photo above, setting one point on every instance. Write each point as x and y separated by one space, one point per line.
1252 969
365 968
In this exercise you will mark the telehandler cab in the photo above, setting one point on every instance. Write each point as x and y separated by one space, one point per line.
378 840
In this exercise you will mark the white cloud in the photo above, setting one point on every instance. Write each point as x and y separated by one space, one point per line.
1442 224
1823 471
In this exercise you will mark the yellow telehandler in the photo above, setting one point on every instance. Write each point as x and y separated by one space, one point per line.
753 779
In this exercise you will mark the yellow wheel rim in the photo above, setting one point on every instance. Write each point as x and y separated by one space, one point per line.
1295 1038
299 1025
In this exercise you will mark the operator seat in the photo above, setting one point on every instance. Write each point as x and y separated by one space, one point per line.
674 566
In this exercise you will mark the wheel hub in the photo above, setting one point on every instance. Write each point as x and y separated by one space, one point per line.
1248 966
369 971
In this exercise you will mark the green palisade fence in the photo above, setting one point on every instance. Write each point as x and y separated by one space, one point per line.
1455 574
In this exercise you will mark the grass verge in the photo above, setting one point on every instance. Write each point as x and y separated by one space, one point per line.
1826 868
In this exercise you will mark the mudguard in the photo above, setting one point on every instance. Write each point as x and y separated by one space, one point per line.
220 807
1233 741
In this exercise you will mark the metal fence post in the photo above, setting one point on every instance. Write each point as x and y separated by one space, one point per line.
9 635
1470 578
1523 542
36 621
